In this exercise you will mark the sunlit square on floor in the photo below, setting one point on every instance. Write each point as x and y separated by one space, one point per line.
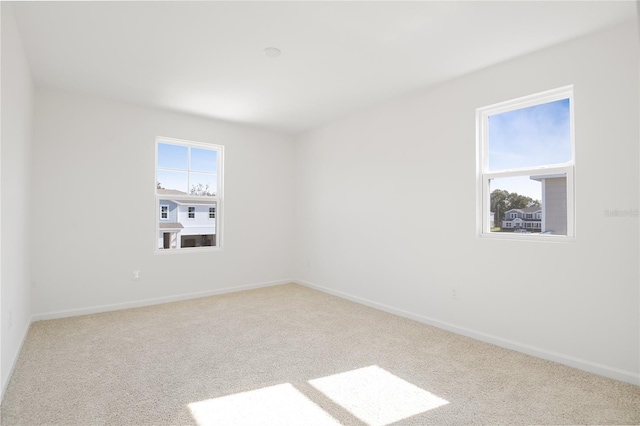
280 405
376 396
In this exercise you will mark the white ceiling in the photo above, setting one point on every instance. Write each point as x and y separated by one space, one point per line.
206 58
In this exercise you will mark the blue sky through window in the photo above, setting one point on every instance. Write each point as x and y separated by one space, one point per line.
181 167
173 156
520 184
203 160
532 136
529 137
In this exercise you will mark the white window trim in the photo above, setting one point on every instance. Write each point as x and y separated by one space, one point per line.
218 198
484 176
189 212
161 206
215 211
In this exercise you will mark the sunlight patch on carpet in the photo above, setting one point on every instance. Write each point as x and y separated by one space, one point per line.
280 405
376 396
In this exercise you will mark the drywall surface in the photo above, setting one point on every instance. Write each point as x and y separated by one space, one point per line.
17 117
94 189
386 211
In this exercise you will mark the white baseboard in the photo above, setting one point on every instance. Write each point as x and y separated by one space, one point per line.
155 301
580 364
16 355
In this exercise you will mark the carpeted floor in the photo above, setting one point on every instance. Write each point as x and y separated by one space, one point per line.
288 355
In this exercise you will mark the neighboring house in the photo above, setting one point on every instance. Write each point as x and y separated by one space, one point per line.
528 218
551 217
185 223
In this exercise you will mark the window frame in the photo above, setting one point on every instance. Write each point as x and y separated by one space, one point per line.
484 175
218 199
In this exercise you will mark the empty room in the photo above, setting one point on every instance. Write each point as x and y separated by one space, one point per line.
320 213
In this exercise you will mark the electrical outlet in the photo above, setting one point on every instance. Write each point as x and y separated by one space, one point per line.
136 275
455 293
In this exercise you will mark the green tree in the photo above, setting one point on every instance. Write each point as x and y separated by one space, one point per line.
499 205
517 201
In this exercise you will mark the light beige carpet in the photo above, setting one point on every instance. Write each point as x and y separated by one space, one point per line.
288 355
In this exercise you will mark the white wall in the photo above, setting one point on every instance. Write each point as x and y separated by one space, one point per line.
17 117
385 212
94 206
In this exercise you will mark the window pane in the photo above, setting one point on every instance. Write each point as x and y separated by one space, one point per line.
186 225
203 160
171 180
511 200
528 137
529 204
172 156
184 169
202 184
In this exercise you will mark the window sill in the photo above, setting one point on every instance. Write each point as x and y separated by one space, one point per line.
163 252
508 236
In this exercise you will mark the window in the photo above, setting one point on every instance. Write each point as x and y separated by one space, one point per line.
526 160
188 189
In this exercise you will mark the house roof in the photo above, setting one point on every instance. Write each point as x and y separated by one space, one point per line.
195 202
162 191
171 225
549 176
527 209
184 202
